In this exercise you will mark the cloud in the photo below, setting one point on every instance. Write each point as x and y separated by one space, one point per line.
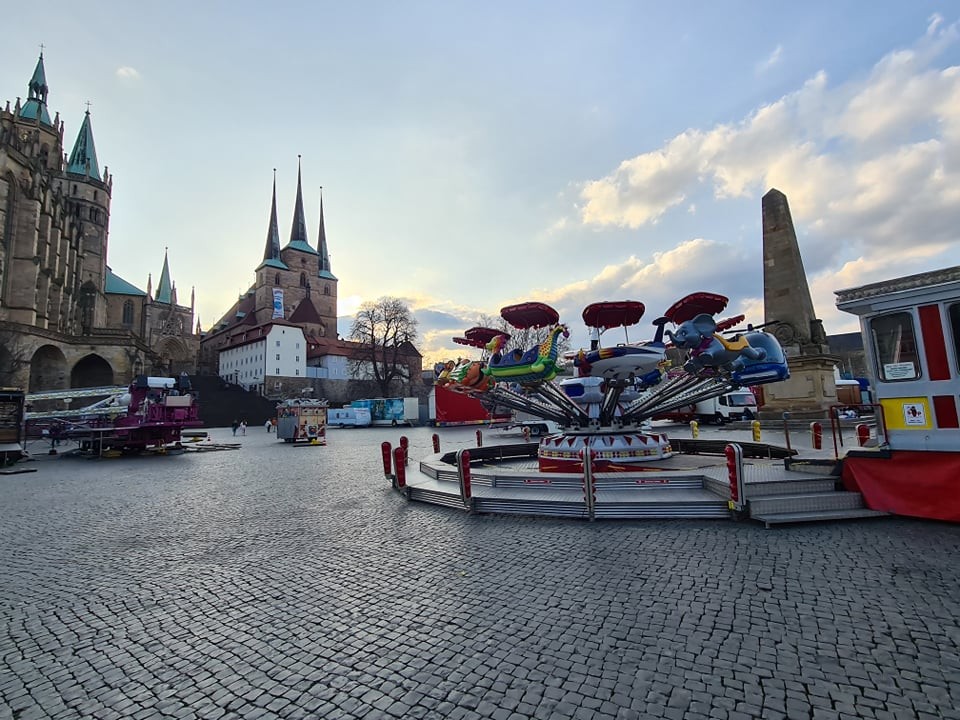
125 72
867 165
694 265
771 60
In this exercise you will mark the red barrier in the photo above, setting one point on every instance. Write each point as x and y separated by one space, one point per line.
863 434
734 457
465 473
399 463
405 444
385 451
479 439
436 443
816 435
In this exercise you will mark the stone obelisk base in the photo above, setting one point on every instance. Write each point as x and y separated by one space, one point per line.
809 392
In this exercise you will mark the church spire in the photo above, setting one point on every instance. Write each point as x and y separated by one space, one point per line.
298 231
35 108
83 159
271 254
322 247
164 289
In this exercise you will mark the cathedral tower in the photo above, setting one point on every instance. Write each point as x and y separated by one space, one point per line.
88 194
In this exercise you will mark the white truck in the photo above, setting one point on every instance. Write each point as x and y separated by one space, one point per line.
735 405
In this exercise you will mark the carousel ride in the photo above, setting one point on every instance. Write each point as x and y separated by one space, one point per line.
618 388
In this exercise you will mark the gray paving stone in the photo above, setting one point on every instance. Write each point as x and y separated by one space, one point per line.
234 585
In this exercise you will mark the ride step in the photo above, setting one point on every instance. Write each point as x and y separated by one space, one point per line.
806 502
793 486
817 516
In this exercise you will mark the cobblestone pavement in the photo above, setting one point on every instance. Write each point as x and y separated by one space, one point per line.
287 582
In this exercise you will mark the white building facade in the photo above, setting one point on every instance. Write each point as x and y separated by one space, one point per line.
258 357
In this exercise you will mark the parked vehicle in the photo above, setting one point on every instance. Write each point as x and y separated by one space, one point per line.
349 417
449 408
390 411
735 405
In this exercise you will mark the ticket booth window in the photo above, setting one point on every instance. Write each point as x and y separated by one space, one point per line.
896 345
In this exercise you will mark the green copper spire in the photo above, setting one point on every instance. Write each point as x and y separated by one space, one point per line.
322 247
298 232
36 104
271 255
164 288
83 159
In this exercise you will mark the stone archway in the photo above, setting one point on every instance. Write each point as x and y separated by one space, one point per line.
91 371
48 369
174 356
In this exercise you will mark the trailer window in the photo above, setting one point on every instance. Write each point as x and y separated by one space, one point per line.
896 346
954 315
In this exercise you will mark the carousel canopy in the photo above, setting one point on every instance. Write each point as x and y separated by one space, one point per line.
530 315
689 307
611 314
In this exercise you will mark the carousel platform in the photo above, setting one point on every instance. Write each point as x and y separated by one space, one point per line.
506 480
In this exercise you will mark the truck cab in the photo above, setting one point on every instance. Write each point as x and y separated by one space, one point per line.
735 405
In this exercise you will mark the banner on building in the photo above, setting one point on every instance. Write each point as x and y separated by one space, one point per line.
278 303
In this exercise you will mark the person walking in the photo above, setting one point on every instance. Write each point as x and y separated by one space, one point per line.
243 427
268 425
235 425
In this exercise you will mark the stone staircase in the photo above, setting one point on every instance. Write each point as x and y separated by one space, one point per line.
221 404
809 493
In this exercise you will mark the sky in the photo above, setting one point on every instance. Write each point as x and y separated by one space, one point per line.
475 155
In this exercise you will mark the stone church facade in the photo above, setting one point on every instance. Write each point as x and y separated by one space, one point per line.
294 285
66 320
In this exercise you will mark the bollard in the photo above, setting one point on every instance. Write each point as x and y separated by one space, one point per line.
436 443
463 470
755 426
399 464
385 451
587 456
786 430
734 455
694 429
479 439
816 435
526 434
863 434
405 444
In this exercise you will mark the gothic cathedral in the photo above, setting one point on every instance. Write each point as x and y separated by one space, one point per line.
66 320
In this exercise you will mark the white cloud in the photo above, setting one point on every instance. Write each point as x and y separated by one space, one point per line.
125 72
872 163
772 59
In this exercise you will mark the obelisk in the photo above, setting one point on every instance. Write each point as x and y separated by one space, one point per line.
788 307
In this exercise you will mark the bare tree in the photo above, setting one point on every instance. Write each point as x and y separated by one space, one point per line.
13 357
385 330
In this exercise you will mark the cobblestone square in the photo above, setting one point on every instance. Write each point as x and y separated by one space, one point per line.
291 582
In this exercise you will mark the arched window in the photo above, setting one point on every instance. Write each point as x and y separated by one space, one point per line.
276 279
128 314
326 289
303 279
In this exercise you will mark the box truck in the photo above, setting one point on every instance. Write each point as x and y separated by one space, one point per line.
390 411
735 405
448 408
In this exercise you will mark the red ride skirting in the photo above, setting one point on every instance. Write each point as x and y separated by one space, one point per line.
919 484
